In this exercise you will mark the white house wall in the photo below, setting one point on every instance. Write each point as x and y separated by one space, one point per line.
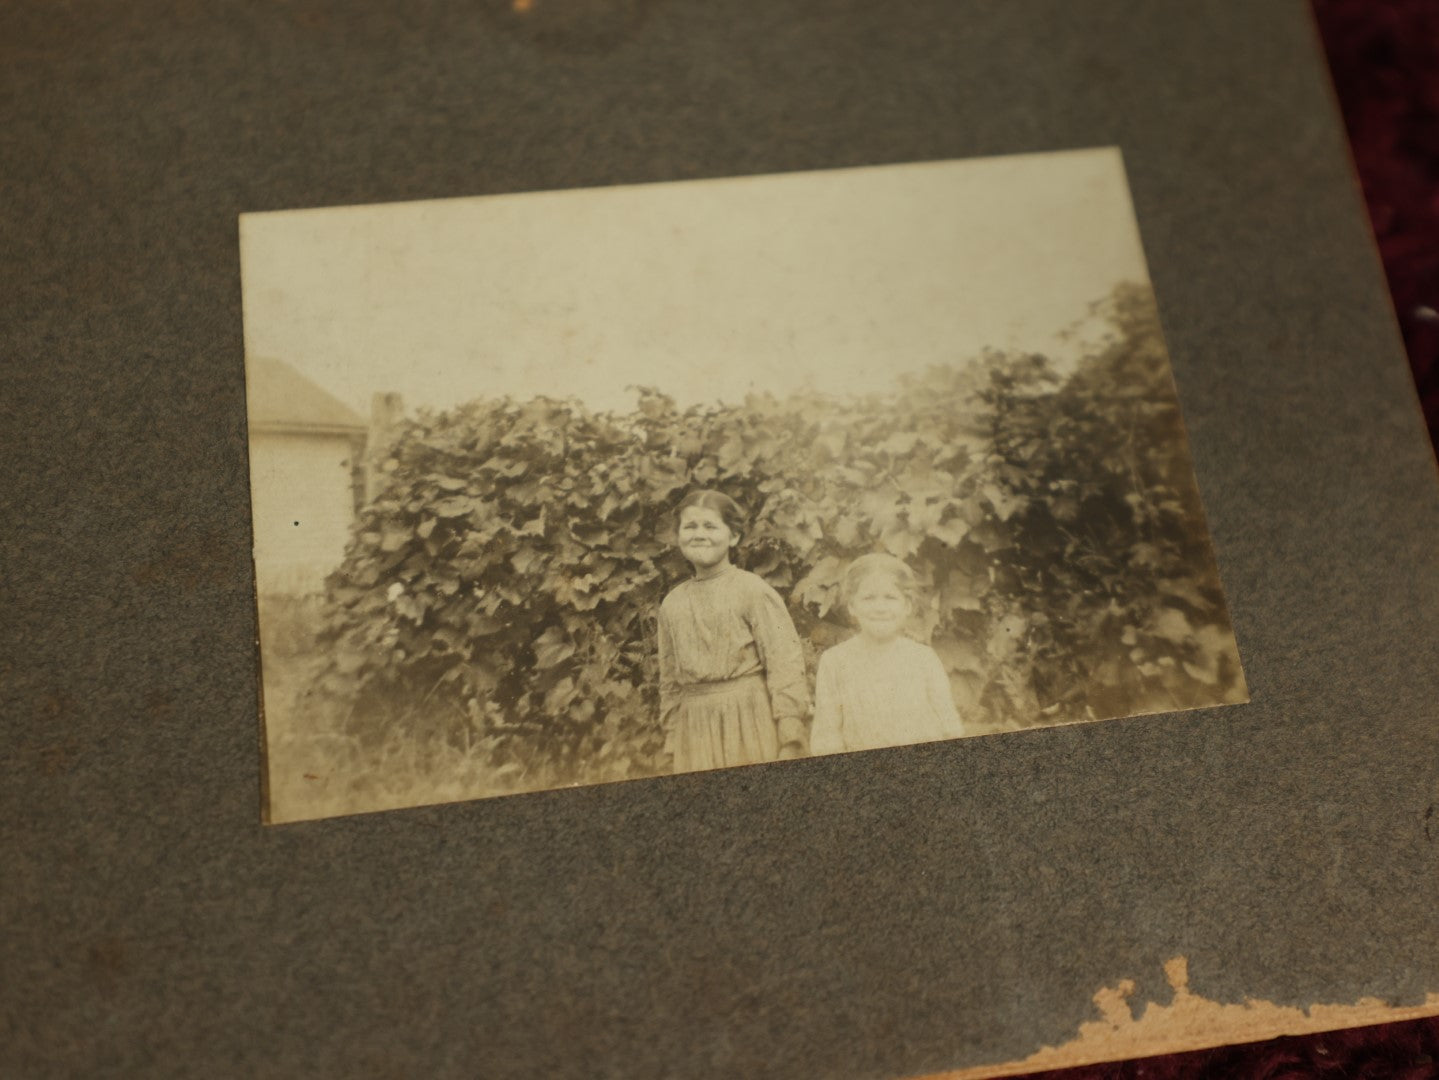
303 504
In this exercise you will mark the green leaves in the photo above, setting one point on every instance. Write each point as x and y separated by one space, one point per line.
455 506
552 647
820 587
507 577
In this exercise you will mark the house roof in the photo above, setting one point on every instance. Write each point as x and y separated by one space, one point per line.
279 398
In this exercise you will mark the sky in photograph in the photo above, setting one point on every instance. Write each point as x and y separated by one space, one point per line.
707 289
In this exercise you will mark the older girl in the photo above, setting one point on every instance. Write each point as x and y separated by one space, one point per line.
732 680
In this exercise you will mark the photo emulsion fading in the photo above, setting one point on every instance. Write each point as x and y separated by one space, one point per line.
572 487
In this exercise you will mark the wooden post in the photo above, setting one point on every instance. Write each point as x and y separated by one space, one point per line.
386 412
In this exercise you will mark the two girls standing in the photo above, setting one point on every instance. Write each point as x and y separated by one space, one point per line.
732 681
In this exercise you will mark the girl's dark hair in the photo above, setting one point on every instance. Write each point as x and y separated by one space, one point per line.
729 511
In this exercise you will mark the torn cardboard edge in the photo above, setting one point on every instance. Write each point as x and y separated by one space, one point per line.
1189 1022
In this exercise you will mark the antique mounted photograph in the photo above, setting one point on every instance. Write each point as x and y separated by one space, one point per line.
569 487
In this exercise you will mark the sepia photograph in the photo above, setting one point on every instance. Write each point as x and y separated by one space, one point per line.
571 487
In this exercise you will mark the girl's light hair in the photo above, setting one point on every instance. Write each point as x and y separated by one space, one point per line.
729 511
880 564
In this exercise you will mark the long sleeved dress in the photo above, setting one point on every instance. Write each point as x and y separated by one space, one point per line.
869 696
732 679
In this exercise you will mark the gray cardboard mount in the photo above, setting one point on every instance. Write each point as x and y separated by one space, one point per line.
872 915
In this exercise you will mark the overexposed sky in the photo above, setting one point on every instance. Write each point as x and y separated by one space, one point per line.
707 289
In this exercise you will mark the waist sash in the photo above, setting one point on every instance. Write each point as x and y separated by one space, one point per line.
704 689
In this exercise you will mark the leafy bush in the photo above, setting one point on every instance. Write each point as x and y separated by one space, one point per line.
500 593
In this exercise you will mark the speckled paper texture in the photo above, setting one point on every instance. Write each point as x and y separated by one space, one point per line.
873 915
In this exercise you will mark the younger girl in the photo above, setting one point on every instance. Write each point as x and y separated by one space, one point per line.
880 688
732 681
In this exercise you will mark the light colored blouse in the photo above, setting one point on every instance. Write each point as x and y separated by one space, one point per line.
870 695
719 629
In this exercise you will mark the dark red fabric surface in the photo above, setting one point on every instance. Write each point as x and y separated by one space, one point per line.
1384 57
1408 1051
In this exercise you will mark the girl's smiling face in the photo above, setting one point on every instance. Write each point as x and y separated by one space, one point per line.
880 607
705 540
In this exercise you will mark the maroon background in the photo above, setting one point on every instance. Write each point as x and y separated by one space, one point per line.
1384 57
